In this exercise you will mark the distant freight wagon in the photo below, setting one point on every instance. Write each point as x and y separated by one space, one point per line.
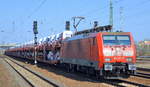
96 51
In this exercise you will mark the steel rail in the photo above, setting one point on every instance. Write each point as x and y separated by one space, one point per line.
54 84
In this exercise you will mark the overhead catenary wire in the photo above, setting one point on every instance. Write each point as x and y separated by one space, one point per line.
37 9
98 11
132 13
88 13
139 4
123 18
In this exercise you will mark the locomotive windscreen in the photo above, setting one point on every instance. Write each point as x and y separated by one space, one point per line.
116 40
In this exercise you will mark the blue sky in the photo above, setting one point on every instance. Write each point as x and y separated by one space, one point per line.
16 17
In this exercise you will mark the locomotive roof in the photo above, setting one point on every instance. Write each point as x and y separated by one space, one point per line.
106 28
116 33
90 35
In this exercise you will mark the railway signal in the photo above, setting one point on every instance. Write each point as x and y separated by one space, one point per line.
35 31
35 27
67 25
95 24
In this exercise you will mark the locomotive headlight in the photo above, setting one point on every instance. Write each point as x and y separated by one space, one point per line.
128 53
107 59
107 52
129 59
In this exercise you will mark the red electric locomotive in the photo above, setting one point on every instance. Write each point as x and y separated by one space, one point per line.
108 54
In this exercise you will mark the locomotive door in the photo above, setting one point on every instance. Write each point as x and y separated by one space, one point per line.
93 49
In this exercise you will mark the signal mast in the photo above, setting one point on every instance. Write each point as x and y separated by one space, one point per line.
111 14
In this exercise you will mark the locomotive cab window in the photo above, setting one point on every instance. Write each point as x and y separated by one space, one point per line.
116 40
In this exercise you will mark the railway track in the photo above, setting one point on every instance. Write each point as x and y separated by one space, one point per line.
143 69
111 83
125 83
117 82
33 78
121 83
132 83
143 75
